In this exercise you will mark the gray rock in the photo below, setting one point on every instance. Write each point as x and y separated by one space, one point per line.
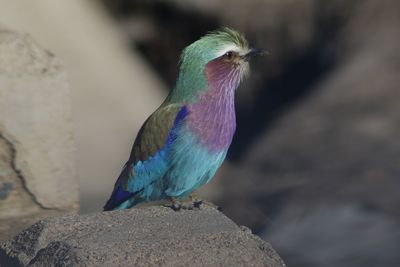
151 236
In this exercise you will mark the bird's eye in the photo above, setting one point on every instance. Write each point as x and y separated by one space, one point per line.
229 55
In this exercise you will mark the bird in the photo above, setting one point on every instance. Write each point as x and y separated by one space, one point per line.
182 144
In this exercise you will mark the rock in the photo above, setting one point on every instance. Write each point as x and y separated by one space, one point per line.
150 236
37 167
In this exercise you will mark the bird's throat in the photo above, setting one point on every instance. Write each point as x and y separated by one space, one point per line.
212 117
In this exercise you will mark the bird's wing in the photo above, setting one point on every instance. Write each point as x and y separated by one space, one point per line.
148 161
156 132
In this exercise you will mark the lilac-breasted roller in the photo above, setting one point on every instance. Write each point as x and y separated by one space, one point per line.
184 142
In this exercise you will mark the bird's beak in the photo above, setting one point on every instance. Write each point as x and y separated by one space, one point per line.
254 52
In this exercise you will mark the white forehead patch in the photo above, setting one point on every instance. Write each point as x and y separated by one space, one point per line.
230 47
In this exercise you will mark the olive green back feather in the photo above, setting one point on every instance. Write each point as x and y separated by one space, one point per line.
154 133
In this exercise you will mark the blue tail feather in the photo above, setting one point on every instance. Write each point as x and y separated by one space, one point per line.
118 196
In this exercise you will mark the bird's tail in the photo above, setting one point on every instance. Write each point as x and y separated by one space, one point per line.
119 195
119 199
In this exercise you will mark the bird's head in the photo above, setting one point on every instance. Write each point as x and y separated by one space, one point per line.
220 56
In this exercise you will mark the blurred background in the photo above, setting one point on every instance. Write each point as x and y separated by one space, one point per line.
315 163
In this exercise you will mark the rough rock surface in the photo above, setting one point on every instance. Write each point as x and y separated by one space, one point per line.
37 167
151 236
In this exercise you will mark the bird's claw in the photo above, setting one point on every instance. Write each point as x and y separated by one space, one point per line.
194 204
197 203
177 206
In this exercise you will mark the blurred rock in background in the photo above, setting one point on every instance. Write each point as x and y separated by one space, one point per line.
315 162
112 87
37 148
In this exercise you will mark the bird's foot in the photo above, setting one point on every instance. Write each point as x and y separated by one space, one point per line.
193 204
198 203
177 205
